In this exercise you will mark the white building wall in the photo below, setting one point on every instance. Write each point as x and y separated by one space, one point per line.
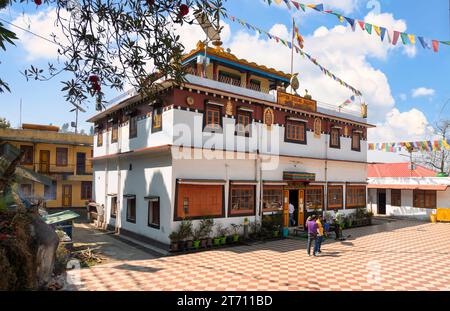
188 130
407 209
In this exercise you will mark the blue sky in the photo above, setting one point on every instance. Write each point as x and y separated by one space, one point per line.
388 76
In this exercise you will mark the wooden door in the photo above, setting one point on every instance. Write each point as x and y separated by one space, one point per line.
67 195
301 208
44 161
286 208
381 202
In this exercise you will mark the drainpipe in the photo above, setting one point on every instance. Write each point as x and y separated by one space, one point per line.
119 177
327 138
106 172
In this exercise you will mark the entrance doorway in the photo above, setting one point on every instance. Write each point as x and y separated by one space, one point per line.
293 199
297 198
381 202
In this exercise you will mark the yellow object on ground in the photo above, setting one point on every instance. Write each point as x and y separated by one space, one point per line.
443 214
433 218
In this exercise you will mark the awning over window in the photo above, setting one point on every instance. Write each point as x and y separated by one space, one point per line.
244 182
129 196
274 183
152 198
202 181
409 187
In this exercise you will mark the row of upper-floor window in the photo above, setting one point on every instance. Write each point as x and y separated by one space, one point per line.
62 156
295 131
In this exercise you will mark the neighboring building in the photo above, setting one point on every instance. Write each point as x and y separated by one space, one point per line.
397 189
64 157
229 143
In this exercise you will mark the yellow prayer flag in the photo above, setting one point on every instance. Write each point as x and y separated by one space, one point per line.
445 144
377 30
341 18
278 1
312 6
412 38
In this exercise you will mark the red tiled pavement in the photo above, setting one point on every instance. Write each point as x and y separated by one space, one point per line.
401 255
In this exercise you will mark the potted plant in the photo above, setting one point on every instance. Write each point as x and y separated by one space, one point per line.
217 238
196 235
185 232
235 229
174 239
276 230
208 228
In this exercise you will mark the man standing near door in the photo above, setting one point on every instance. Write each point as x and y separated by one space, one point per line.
291 214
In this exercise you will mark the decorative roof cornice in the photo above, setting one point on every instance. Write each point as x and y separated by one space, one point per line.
220 52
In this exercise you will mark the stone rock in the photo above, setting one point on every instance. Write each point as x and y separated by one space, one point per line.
47 242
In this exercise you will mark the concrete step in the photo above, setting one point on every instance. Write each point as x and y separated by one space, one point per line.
152 248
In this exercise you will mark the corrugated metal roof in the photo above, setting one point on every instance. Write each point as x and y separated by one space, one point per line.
381 170
60 217
409 187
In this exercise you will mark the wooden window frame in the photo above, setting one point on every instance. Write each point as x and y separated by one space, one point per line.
357 205
335 206
111 214
132 130
115 130
230 198
84 192
50 191
272 188
149 213
396 197
131 220
206 126
176 217
157 111
338 145
425 194
232 76
358 149
315 187
25 160
296 123
60 151
247 130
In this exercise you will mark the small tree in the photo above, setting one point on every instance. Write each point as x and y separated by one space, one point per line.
110 43
4 123
438 160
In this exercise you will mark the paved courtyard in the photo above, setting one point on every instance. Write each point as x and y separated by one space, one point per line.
399 255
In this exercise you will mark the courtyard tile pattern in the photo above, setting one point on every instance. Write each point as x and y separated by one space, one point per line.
400 255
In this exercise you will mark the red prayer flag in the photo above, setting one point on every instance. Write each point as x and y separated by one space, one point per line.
362 24
396 36
436 45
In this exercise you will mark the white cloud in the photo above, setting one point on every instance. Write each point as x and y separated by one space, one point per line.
43 24
401 126
422 91
403 97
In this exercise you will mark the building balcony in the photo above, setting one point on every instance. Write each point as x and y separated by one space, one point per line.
230 85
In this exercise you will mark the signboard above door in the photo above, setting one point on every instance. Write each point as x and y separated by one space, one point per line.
299 176
296 101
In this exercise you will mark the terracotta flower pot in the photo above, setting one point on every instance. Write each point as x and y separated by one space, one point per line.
203 243
174 246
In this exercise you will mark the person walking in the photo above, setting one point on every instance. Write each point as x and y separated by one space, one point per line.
319 238
311 225
291 214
